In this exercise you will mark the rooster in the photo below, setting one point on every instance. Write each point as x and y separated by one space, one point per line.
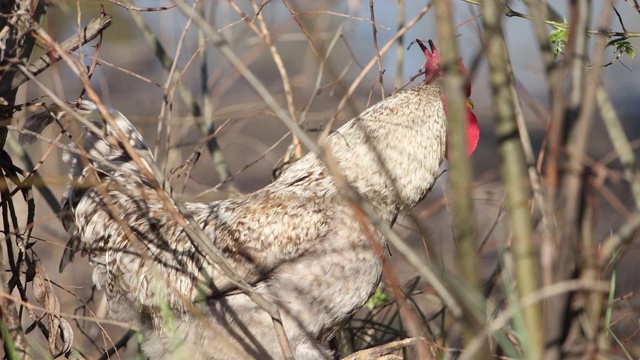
296 240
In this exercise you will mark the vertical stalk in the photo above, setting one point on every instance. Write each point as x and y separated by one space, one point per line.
460 170
374 30
593 301
577 208
402 18
545 197
555 327
514 173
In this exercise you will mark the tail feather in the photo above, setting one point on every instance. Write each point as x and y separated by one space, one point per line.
99 148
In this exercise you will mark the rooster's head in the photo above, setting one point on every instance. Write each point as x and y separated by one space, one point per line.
433 70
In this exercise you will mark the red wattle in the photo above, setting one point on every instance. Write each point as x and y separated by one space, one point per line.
473 132
472 129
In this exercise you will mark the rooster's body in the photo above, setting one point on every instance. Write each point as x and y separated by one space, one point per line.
297 240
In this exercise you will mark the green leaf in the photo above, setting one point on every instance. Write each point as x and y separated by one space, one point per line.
379 298
625 47
558 38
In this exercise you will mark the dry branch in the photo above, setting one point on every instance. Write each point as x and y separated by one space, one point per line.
354 85
383 350
206 127
90 32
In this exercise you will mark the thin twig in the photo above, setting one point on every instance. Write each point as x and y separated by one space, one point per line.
610 248
90 32
306 33
284 75
365 70
122 342
187 97
374 30
172 79
141 9
29 305
328 12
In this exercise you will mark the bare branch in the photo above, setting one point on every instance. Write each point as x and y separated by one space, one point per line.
90 32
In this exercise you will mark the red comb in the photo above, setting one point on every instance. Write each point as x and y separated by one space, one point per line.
432 69
432 60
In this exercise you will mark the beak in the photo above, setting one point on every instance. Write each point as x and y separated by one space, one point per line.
469 104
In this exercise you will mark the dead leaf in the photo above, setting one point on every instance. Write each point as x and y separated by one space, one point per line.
44 294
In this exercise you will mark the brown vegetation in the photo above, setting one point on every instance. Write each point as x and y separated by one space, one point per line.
531 257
